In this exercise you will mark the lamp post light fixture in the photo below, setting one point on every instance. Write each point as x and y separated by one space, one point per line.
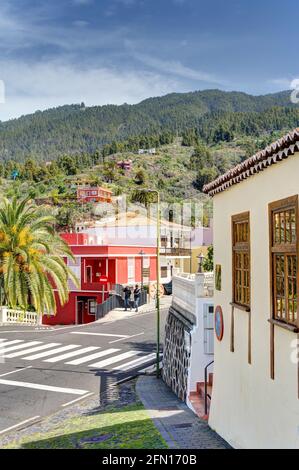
200 258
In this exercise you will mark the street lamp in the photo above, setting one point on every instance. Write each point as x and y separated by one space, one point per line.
200 258
154 191
141 253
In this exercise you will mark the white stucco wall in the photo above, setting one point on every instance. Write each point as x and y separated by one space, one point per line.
199 359
249 409
189 293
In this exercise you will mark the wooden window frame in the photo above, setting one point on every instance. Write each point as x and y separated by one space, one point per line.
243 247
290 249
283 204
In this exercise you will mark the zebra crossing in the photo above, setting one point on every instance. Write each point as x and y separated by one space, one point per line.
94 357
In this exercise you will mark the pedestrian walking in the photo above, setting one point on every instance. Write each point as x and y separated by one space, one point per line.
127 291
137 295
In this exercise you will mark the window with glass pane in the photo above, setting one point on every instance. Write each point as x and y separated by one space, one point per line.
241 259
283 220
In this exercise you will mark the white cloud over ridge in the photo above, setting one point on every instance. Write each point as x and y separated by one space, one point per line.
46 85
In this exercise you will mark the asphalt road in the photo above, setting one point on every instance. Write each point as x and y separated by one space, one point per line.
43 370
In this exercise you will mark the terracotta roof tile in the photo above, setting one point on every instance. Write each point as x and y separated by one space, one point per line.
272 154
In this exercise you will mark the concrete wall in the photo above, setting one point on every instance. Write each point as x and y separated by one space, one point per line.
192 267
249 409
190 294
199 358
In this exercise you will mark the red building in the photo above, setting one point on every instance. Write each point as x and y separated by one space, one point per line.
93 264
125 165
94 194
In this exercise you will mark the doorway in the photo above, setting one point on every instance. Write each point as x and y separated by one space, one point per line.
80 312
88 274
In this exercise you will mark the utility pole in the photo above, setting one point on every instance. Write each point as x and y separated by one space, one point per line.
158 283
154 191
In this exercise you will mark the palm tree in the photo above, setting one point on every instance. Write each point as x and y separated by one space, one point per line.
31 258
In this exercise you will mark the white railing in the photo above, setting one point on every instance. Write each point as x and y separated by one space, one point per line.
9 316
204 284
186 288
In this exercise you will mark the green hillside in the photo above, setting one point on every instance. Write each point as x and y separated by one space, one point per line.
78 129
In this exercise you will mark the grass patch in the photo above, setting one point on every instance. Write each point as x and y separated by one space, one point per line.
128 427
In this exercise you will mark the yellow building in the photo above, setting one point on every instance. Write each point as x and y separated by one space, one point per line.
256 241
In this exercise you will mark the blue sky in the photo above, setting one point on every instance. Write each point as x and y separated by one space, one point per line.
114 51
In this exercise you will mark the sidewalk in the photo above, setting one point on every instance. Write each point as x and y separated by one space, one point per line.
120 313
114 420
178 425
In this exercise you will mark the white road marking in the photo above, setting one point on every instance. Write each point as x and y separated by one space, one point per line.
49 388
19 424
92 356
14 371
127 337
72 354
77 399
15 341
135 362
98 334
31 350
52 352
19 346
114 359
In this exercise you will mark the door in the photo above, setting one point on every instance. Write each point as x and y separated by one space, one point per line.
80 312
111 271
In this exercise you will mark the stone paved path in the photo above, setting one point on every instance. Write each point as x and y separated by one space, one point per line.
178 425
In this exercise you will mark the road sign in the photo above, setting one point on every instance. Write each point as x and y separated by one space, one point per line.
146 272
104 279
219 323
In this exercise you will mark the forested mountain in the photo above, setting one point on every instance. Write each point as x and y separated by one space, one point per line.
76 129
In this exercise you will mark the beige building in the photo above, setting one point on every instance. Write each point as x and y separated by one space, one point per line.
256 239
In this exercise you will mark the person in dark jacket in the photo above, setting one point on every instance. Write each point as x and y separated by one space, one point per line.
137 295
128 293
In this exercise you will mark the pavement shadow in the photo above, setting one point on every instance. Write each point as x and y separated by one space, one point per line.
129 434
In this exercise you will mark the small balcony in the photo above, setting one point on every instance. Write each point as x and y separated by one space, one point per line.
93 286
174 251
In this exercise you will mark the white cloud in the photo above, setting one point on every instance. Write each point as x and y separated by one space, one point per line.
283 83
45 85
176 68
32 30
82 2
80 23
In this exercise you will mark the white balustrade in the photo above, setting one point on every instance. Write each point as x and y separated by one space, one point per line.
187 288
9 316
